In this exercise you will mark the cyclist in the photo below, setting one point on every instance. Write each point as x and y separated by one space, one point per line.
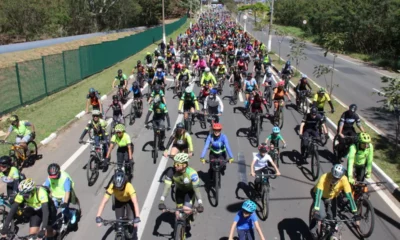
195 58
123 81
302 86
320 98
268 79
160 113
62 190
24 135
181 142
310 127
266 62
150 73
125 203
157 92
187 182
213 105
136 92
38 208
125 147
221 69
275 137
347 120
13 176
329 186
279 94
287 70
241 64
360 157
183 76
261 163
99 127
117 107
256 103
249 85
93 98
218 144
159 78
236 77
160 64
208 77
244 222
189 102
157 54
148 58
201 64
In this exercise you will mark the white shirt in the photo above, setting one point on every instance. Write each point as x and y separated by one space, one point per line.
220 103
261 162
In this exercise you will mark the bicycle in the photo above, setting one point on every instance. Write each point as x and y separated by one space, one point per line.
235 92
301 103
210 118
121 94
312 149
256 128
136 110
262 193
182 222
62 225
278 116
216 183
286 78
157 139
189 121
332 228
126 167
115 121
19 157
221 82
258 77
323 137
123 228
341 147
274 153
95 161
4 202
268 94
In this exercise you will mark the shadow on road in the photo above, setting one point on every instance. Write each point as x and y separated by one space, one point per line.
246 133
387 218
149 143
294 156
328 155
166 217
294 229
234 207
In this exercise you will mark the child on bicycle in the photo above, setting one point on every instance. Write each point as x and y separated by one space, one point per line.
245 221
275 137
118 115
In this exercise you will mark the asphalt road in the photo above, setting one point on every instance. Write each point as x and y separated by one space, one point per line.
356 80
290 194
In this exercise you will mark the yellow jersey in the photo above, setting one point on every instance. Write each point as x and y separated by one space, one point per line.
321 100
123 195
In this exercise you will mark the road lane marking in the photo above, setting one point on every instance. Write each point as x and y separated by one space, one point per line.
240 97
379 92
384 74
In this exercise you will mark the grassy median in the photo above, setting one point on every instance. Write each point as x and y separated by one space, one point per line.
53 112
384 155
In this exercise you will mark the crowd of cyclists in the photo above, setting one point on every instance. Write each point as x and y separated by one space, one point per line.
216 50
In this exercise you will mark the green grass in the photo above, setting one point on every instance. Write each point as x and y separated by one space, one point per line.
55 111
385 155
295 32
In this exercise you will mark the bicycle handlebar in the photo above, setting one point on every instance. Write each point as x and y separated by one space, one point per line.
112 222
216 160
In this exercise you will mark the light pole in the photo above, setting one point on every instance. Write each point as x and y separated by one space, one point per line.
245 21
270 26
163 23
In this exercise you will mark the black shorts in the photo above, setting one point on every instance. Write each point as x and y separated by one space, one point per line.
36 216
187 106
181 199
138 95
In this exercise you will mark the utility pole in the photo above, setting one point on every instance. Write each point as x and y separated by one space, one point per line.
270 26
163 23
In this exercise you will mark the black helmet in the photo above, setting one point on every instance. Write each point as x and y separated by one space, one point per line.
119 71
249 74
353 108
53 170
115 97
157 88
313 110
180 126
119 179
13 118
91 90
135 84
5 161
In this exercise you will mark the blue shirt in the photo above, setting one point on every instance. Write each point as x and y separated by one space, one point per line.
67 184
250 84
160 75
135 91
245 223
217 144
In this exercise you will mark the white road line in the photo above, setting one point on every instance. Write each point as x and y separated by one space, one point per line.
155 184
384 74
240 97
380 93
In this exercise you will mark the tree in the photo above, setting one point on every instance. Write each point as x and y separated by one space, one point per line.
297 52
281 34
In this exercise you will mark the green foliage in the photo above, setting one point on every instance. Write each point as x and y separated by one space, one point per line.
391 93
297 51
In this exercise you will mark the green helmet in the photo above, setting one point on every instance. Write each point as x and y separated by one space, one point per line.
96 113
322 90
181 158
364 138
119 128
13 118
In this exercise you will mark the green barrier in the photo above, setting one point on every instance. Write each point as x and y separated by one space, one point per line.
33 80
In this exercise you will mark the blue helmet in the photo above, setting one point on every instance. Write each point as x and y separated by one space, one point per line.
213 91
249 206
276 130
288 63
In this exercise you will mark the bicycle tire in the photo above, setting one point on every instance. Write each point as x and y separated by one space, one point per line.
277 159
265 201
34 153
155 153
335 147
3 216
180 232
257 131
366 203
305 106
119 236
217 186
281 119
132 115
90 172
315 164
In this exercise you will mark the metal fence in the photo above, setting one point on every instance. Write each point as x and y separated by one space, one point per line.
30 81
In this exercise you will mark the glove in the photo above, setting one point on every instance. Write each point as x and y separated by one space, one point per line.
63 205
146 126
327 135
202 160
351 180
284 146
161 206
200 208
368 175
41 233
99 220
301 136
136 220
231 160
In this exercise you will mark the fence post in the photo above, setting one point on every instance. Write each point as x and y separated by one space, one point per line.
19 83
44 77
65 70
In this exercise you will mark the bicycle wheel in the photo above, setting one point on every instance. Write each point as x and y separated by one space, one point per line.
257 131
119 236
335 147
315 164
3 217
155 153
92 169
180 233
323 138
280 124
368 218
265 201
32 148
304 106
217 185
91 134
132 115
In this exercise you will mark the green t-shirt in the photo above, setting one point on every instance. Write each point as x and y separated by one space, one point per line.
187 180
35 200
124 141
275 138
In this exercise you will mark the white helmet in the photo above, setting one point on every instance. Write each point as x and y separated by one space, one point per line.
221 63
26 186
188 90
207 69
160 58
338 171
303 76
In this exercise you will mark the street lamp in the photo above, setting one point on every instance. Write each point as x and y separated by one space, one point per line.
270 26
163 23
245 21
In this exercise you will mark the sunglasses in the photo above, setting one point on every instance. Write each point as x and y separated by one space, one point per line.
118 132
179 164
217 131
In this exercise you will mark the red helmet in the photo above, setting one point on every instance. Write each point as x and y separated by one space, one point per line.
281 83
217 126
263 148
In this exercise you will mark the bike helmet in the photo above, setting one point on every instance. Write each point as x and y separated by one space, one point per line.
160 58
257 59
249 74
13 118
54 170
150 65
337 171
263 148
217 126
180 125
96 113
157 88
119 179
5 161
322 90
281 83
119 128
313 110
213 91
181 158
207 69
288 63
364 138
353 108
135 84
119 71
115 97
221 63
188 90
276 129
148 53
249 206
303 76
92 90
26 186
